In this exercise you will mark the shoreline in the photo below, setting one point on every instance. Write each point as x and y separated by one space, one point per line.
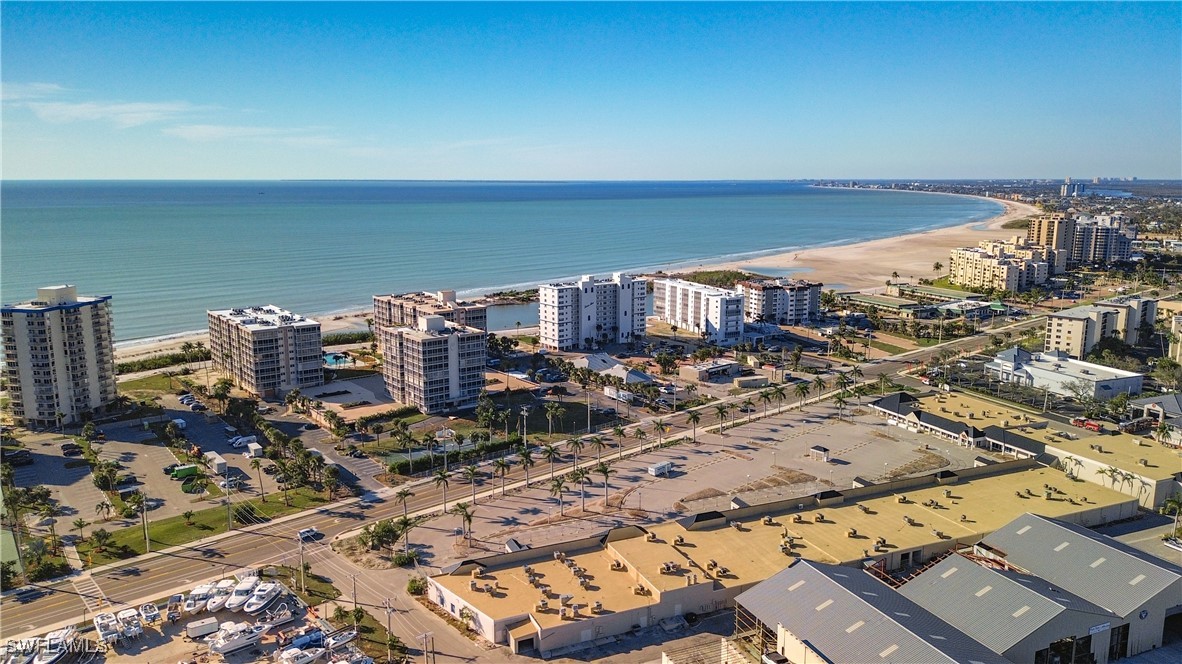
911 255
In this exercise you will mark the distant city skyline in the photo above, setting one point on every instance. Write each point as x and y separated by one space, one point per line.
588 91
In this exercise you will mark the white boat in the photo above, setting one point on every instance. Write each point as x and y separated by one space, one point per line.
263 595
107 627
55 645
241 635
278 616
350 657
221 593
241 593
150 614
198 599
129 623
339 639
22 651
297 656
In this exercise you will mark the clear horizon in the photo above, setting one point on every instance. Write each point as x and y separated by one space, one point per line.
591 92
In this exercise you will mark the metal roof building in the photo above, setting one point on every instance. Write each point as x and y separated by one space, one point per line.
817 612
1015 615
1140 589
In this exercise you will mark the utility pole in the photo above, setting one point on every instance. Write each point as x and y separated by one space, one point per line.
303 580
389 610
229 520
428 641
354 577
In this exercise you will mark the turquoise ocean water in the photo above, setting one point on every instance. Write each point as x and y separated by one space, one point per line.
168 251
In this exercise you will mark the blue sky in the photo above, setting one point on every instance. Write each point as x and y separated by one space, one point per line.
591 91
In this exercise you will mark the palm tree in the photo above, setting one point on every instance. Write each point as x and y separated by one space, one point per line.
581 475
104 508
839 401
441 478
557 488
100 538
660 428
618 433
639 435
1173 504
693 417
188 516
465 512
404 524
883 382
50 512
79 524
766 397
404 494
600 445
7 475
606 471
472 475
802 390
553 409
1164 433
139 503
550 453
721 409
575 445
819 384
284 469
501 467
526 457
256 464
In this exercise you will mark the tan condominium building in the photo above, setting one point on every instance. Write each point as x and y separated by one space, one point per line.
714 314
405 310
435 366
266 350
1012 265
589 311
780 301
59 357
1076 331
1055 230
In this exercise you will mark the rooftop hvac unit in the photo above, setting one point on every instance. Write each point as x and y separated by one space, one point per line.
476 573
722 571
472 586
596 606
937 534
711 564
543 605
488 588
617 565
566 599
735 524
639 590
818 517
528 570
902 499
575 611
864 509
796 518
679 540
767 520
881 541
947 493
545 588
853 532
562 613
652 537
1143 462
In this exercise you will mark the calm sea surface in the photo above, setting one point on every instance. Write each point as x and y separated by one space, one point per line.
168 251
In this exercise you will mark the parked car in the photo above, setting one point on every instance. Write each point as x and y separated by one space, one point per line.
198 408
19 457
127 480
71 449
239 442
310 426
668 389
229 483
271 469
167 470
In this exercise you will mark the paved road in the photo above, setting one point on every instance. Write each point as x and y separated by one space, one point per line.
145 579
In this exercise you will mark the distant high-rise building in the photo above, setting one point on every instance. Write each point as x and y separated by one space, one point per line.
266 350
591 310
405 310
59 356
435 365
713 314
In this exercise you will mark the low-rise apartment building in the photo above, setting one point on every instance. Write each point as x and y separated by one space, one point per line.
59 357
1076 331
266 350
589 311
714 314
406 309
435 366
780 301
1010 265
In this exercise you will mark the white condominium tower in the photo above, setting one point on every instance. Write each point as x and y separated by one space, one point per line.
59 357
714 314
780 301
435 366
266 350
591 310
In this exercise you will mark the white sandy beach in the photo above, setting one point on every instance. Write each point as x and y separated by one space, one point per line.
863 265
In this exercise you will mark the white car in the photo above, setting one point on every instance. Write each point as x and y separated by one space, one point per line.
238 442
308 533
231 483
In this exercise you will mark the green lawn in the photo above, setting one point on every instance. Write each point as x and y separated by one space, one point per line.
893 350
349 374
174 531
156 383
319 588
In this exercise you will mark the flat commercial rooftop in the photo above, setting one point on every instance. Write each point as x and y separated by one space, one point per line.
750 551
1123 451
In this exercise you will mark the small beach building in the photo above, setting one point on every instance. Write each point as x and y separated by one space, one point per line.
1060 374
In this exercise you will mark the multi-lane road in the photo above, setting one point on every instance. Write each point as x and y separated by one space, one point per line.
159 575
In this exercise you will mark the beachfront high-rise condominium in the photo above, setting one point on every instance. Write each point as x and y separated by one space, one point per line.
1102 239
1055 231
713 314
1005 266
435 366
266 350
405 310
59 356
780 301
1076 331
589 311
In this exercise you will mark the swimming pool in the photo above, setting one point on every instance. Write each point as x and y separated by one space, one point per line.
334 360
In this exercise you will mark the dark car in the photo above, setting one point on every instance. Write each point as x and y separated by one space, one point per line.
18 457
271 469
72 449
363 437
127 480
310 426
167 470
197 408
